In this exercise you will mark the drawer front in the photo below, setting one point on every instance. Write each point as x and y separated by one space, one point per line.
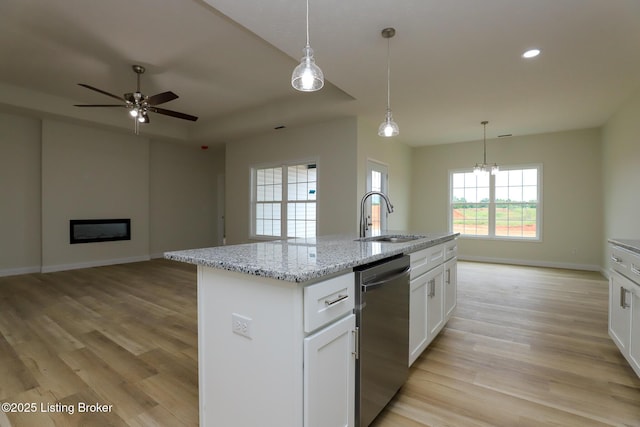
634 267
425 259
620 260
328 301
450 249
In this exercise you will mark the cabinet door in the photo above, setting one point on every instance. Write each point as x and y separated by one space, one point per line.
620 311
450 286
435 301
418 332
634 333
329 375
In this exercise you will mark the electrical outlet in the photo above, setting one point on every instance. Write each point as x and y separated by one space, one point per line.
241 325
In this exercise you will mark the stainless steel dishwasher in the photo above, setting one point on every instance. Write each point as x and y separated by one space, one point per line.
382 318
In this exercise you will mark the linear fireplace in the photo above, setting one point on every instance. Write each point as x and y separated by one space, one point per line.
99 230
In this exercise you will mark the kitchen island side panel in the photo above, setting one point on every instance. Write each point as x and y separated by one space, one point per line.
256 381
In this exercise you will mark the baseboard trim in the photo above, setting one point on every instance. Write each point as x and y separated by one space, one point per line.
532 263
18 271
100 263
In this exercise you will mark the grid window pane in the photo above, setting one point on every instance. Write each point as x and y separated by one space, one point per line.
294 184
530 193
515 194
504 205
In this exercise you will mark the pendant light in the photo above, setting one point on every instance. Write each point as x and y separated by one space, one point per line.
483 168
388 128
307 76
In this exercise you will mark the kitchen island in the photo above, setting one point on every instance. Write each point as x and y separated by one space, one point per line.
276 330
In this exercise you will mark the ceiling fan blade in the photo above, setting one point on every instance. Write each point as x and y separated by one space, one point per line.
173 114
161 98
98 105
101 91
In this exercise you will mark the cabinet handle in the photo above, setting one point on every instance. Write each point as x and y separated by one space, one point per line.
635 269
616 259
432 288
448 276
623 298
356 342
336 300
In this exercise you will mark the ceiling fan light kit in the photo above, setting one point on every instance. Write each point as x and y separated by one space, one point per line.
138 104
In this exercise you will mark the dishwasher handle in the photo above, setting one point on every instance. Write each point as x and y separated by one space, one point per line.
374 285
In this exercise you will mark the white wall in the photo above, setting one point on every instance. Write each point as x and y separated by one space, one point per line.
183 196
19 194
572 196
397 156
52 171
333 144
621 173
90 173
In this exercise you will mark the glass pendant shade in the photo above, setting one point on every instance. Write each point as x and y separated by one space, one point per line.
307 76
388 128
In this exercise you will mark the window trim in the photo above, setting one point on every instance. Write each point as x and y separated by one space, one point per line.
283 202
492 205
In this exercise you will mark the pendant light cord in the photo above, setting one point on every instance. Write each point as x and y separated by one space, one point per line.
388 75
307 22
485 142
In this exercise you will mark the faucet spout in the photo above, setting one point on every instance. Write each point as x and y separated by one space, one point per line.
363 222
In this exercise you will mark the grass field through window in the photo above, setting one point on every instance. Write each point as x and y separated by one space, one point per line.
512 220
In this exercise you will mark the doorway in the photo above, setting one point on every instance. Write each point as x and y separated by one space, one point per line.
377 180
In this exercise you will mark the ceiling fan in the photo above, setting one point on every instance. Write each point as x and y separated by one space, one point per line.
139 104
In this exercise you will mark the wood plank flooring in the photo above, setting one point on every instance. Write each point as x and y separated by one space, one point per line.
526 347
123 335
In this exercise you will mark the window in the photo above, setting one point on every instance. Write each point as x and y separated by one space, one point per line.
507 205
284 201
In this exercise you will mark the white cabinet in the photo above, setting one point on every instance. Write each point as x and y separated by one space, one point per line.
620 310
329 354
624 304
450 286
435 301
433 293
634 344
293 367
423 311
329 375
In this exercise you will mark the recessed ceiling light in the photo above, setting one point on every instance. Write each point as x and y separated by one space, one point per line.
531 53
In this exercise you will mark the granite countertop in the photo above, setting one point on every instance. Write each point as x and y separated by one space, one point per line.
630 244
301 260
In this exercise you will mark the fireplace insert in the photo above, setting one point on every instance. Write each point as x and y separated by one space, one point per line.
99 230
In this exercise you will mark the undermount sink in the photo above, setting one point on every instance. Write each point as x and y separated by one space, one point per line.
395 238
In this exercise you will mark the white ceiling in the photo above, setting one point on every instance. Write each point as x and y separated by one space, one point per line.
454 63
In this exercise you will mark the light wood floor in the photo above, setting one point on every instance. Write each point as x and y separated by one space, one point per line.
526 347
